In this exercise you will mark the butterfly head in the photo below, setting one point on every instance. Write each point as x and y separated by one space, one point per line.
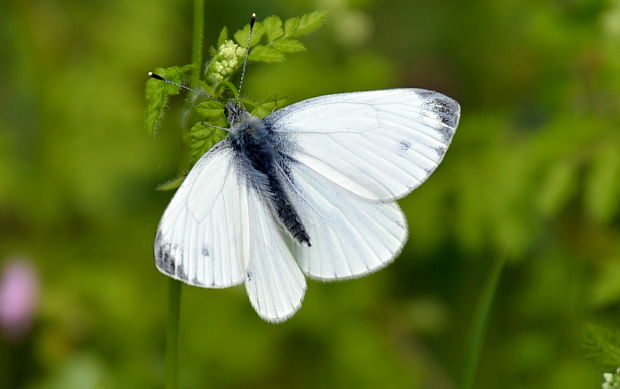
235 113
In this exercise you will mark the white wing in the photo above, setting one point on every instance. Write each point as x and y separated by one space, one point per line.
217 232
378 144
274 282
199 239
350 235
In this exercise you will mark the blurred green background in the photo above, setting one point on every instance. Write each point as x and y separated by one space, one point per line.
532 175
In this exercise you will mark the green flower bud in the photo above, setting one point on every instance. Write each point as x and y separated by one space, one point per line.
226 61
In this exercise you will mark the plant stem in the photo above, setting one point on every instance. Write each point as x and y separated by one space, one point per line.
172 335
481 319
174 286
198 36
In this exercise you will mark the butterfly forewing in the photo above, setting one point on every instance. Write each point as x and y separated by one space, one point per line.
218 232
378 144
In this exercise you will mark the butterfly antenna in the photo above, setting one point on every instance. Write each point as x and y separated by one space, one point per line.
247 54
167 81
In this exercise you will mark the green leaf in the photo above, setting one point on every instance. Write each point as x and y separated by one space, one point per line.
290 26
273 28
267 54
306 24
272 102
288 45
603 346
202 137
241 36
157 92
210 109
223 36
171 184
602 195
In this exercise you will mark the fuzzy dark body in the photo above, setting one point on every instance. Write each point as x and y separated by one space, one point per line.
260 156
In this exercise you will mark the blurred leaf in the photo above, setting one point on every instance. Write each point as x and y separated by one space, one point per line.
157 92
305 24
603 346
267 54
603 185
606 289
171 184
273 28
558 187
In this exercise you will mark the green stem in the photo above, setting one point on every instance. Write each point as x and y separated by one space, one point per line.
172 336
198 36
481 320
174 286
197 49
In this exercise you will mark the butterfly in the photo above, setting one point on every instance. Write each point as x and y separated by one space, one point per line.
310 190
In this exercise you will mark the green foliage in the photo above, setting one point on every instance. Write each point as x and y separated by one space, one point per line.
603 346
266 106
603 193
156 94
202 138
279 40
226 60
539 87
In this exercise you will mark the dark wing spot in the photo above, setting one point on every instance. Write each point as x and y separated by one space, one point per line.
447 109
205 251
405 145
181 272
163 257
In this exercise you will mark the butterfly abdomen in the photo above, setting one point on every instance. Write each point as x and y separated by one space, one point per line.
257 158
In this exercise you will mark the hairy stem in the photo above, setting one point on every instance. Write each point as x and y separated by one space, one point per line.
172 335
198 36
481 319
174 286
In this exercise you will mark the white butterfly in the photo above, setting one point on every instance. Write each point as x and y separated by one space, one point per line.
308 190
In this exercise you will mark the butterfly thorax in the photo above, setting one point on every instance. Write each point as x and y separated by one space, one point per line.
259 158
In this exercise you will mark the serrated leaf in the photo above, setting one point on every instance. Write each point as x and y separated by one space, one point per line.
603 346
171 184
288 45
157 92
273 28
241 36
267 54
305 24
602 195
290 26
223 36
202 137
210 109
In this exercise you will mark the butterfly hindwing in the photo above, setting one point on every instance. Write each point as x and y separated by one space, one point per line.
351 235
